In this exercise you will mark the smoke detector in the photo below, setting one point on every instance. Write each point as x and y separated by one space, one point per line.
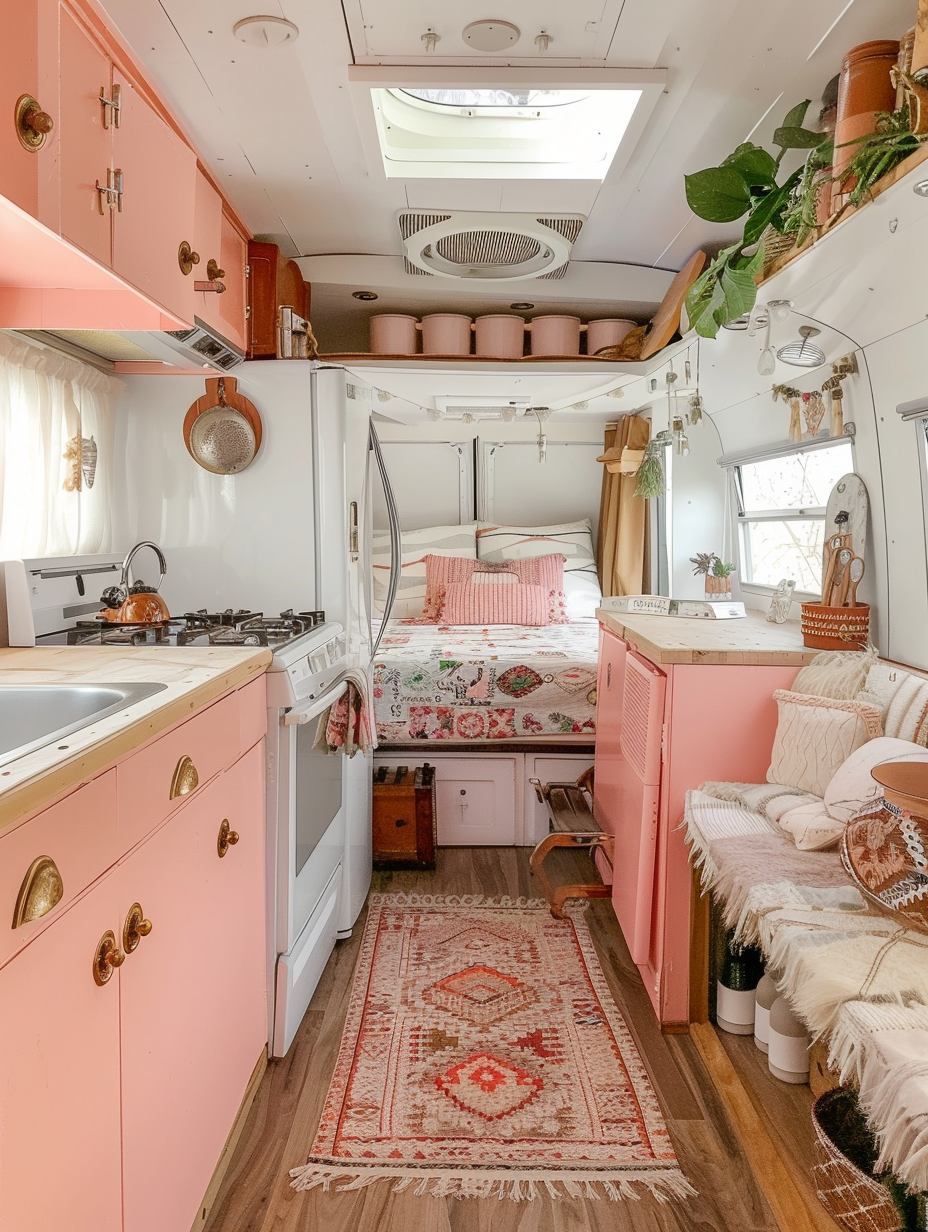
491 35
265 32
489 247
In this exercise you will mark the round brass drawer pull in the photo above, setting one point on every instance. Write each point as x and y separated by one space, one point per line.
227 838
187 258
108 956
32 123
135 928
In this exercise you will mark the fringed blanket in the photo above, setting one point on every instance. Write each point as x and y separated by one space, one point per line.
894 1096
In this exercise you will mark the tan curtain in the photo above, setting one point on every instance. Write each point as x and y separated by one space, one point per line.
621 555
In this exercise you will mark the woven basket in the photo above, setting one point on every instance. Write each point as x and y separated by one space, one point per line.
776 245
845 1152
835 628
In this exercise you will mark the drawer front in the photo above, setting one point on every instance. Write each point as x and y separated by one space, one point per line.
174 769
252 711
475 801
79 836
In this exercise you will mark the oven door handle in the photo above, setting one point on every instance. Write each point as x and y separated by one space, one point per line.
299 717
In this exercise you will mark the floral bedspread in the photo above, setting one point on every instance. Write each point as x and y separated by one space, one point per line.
501 682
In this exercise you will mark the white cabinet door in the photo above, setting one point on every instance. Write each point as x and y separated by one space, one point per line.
564 769
476 801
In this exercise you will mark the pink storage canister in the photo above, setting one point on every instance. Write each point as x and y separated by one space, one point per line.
606 333
392 334
445 333
500 335
555 335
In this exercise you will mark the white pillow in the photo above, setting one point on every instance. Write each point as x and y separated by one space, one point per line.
852 788
416 545
836 673
815 735
573 539
811 827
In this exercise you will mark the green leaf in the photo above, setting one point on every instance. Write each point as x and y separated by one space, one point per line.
718 194
794 138
757 166
795 116
740 292
769 211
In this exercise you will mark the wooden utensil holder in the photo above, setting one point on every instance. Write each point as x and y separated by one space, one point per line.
835 628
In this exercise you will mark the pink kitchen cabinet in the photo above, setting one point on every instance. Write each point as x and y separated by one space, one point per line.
60 1135
223 254
29 66
233 259
716 721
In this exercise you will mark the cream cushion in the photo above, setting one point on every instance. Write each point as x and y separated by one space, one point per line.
836 673
815 735
811 827
852 788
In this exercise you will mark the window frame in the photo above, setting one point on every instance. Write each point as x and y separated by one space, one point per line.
741 518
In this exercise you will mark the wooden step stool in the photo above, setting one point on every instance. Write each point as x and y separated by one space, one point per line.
403 817
573 826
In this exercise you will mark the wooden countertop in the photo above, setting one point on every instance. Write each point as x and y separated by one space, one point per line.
194 676
752 640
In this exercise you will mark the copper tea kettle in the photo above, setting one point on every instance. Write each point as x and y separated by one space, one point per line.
137 603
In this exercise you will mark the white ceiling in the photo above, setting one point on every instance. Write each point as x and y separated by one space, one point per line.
279 127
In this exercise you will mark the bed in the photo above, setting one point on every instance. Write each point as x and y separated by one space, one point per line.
472 684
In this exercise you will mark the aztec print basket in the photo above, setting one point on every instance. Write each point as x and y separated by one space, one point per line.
835 628
845 1153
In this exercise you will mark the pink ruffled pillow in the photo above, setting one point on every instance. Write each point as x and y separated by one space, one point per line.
494 603
544 571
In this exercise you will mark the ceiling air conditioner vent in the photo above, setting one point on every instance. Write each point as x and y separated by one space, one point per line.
490 247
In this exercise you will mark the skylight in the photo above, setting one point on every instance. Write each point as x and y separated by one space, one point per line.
525 103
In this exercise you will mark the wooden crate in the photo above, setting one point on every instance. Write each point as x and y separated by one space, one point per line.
403 817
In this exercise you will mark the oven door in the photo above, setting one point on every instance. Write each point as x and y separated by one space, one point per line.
311 817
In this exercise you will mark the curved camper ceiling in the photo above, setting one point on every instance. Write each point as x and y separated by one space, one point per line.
290 132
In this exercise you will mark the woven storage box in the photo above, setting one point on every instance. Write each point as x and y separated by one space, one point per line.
842 1143
835 628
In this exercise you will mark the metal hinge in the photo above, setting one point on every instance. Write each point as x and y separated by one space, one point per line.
663 742
247 271
247 312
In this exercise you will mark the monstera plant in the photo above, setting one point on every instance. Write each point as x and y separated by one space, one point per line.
744 184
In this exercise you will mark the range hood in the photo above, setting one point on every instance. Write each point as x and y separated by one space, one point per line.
201 345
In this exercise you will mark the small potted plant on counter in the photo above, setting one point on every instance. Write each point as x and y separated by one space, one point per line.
716 575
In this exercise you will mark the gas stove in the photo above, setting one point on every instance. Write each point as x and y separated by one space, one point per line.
201 628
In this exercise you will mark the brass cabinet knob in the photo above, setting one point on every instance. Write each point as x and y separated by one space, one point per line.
213 271
187 258
107 957
135 928
32 123
227 838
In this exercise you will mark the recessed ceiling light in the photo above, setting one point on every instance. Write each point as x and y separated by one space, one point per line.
364 294
265 31
491 35
521 306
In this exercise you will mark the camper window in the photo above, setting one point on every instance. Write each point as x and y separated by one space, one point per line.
780 504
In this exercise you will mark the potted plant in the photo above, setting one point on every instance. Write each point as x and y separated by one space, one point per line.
716 575
744 184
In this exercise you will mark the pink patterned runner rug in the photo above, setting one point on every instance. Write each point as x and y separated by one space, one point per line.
483 1056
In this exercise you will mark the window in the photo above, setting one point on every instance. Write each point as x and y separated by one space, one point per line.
781 514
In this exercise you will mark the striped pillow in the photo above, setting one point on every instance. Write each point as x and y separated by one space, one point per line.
494 603
417 545
573 539
544 571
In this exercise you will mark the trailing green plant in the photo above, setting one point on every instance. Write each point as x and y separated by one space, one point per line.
744 184
650 475
878 152
800 218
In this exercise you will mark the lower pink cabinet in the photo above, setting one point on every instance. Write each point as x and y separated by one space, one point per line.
116 1097
662 729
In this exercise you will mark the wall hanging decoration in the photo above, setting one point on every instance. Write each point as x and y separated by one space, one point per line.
81 456
793 397
222 430
813 404
650 481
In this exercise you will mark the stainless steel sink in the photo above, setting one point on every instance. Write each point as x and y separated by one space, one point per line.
35 715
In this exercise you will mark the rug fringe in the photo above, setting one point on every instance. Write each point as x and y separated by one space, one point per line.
666 1185
458 900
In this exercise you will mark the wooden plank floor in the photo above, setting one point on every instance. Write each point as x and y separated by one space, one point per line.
255 1195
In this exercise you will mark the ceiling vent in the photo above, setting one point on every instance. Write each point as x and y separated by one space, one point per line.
488 247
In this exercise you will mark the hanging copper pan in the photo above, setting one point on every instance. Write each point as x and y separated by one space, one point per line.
222 430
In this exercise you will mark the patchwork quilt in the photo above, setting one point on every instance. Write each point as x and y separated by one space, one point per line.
498 682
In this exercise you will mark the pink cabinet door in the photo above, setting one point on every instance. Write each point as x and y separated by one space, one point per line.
159 186
59 1078
207 239
85 146
29 65
609 761
233 259
192 996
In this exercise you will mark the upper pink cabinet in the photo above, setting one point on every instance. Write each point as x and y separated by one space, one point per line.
217 263
28 105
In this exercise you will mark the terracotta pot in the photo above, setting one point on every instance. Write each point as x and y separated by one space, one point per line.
500 335
392 334
605 333
865 88
555 335
445 333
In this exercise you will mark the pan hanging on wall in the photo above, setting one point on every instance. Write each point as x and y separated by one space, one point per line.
222 430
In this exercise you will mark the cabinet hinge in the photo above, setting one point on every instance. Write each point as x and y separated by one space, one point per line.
248 312
247 271
663 742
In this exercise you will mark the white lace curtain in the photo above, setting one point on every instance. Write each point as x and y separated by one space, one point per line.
49 405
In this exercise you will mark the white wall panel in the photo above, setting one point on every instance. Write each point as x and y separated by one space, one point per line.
518 490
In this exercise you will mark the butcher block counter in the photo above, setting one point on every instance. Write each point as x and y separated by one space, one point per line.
194 676
751 641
